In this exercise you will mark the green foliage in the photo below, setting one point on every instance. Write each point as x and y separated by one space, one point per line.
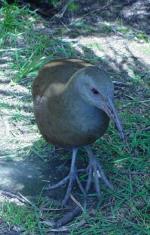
12 17
73 6
54 2
16 25
19 215
142 36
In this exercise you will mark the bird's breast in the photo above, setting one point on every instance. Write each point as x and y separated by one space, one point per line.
72 124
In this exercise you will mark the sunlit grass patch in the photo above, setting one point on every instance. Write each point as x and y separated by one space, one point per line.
19 215
24 46
12 17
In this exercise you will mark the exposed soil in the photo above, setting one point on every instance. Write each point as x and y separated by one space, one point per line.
135 13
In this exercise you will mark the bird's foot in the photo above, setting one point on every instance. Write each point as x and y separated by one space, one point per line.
71 178
95 173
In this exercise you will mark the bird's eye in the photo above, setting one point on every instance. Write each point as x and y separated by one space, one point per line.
94 91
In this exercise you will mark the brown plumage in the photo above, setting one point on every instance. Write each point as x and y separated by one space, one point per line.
73 101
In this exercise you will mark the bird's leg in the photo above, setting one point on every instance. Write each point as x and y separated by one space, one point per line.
95 172
71 177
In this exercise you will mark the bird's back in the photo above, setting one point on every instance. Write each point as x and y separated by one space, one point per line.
57 71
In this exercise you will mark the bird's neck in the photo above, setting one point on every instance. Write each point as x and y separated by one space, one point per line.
71 92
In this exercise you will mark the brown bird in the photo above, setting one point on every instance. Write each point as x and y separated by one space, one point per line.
73 102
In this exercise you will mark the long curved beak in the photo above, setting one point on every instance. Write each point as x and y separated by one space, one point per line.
111 111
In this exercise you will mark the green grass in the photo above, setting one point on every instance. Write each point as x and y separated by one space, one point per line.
25 46
25 218
124 211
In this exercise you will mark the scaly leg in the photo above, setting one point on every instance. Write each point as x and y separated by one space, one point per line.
95 172
71 177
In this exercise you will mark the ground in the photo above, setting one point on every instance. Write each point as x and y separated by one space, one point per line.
27 41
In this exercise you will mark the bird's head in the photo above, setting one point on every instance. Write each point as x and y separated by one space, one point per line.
96 88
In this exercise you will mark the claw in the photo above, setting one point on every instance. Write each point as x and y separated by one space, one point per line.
95 172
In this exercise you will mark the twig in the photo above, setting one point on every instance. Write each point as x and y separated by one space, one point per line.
98 9
54 209
68 217
130 97
61 229
25 199
76 202
120 84
63 10
124 172
136 102
11 195
146 129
